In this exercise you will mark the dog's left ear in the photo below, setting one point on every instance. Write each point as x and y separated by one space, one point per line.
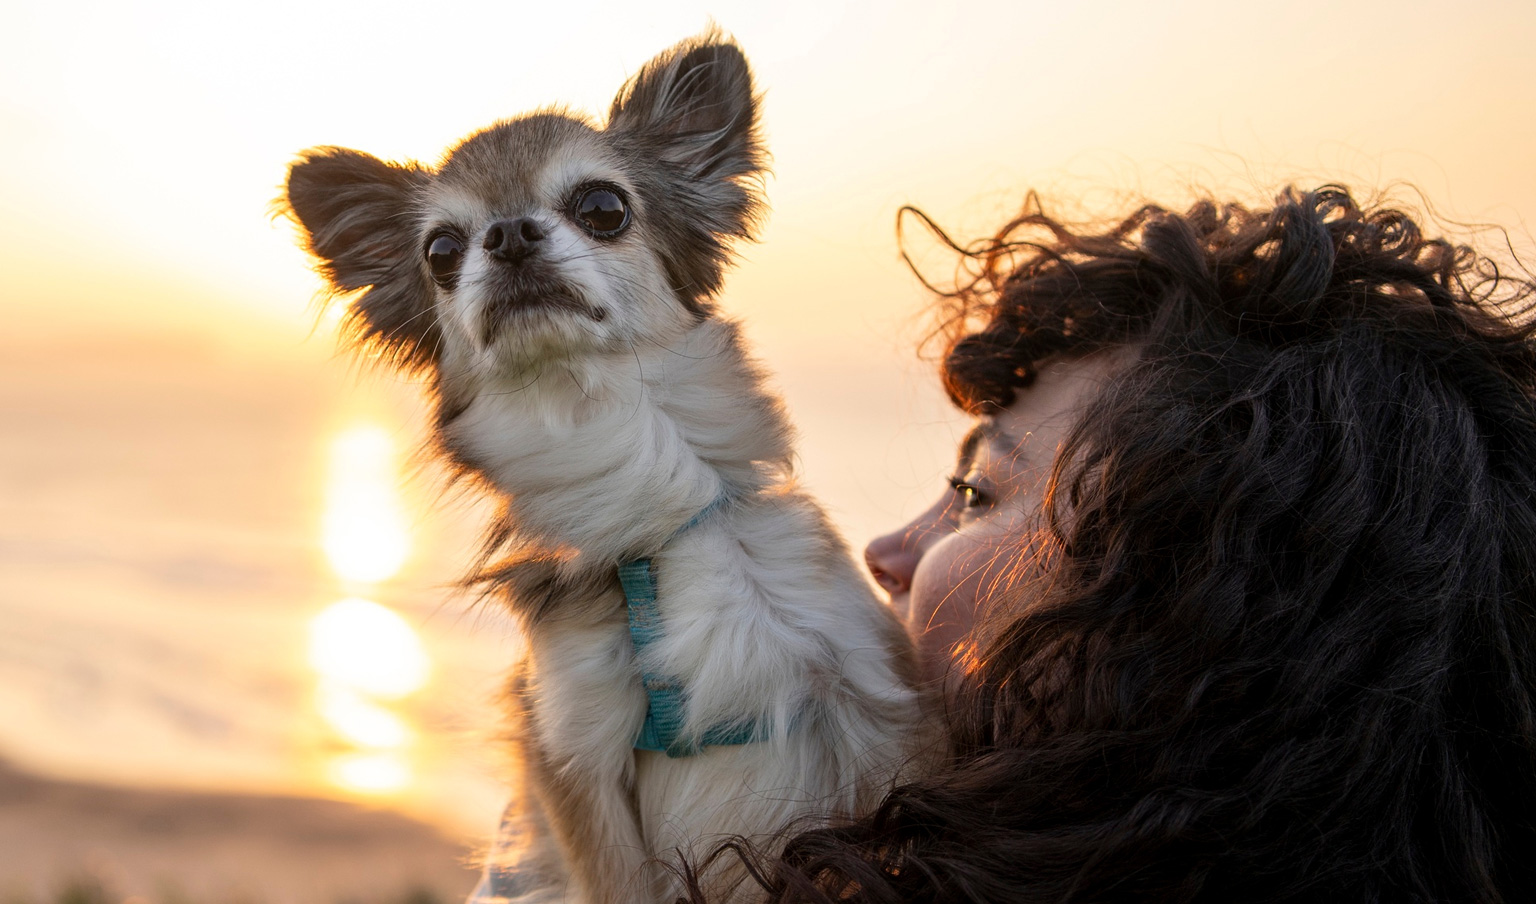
357 213
692 110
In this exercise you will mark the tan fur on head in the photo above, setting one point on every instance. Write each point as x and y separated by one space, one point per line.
556 280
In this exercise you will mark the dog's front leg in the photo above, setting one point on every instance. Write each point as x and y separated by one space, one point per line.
594 819
586 710
526 864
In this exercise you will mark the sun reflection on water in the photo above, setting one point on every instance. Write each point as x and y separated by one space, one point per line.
371 772
364 534
358 719
365 656
361 645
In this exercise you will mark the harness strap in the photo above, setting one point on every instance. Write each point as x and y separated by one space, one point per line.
665 697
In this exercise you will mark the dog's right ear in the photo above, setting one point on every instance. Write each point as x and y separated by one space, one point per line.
694 112
358 215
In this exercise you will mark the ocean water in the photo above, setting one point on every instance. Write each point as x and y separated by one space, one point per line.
222 565
163 561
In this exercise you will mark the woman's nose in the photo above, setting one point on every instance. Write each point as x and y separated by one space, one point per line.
893 558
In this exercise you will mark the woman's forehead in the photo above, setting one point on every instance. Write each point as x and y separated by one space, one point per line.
1061 390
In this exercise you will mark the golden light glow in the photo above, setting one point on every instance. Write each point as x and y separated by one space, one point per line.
371 773
361 645
358 719
364 532
365 654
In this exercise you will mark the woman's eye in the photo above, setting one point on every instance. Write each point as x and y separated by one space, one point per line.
443 255
602 211
969 495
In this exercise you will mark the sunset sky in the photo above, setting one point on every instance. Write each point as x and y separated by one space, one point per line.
170 402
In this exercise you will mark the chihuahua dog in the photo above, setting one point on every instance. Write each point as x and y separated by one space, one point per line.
705 659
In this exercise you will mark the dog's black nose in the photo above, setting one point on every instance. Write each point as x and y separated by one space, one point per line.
513 240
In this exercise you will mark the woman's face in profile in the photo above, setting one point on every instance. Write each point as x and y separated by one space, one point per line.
940 566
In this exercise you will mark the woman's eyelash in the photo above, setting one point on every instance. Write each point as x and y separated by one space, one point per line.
971 496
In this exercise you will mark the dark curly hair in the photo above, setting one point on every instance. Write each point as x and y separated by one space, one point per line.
1285 649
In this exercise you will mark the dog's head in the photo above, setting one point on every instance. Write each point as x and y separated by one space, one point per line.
544 236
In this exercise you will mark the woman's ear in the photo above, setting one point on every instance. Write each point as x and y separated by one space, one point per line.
357 216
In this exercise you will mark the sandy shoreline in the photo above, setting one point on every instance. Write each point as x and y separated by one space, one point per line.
164 846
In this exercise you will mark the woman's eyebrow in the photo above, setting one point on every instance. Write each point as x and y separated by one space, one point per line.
985 431
973 438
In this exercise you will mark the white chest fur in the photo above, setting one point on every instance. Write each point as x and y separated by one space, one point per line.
765 617
613 457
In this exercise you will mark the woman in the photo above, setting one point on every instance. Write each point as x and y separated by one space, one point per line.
1238 569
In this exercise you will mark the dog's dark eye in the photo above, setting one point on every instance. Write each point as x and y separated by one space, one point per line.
602 211
443 255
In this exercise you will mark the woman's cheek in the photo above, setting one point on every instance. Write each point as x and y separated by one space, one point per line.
952 578
957 575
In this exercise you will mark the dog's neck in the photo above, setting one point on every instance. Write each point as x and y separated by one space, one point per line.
610 453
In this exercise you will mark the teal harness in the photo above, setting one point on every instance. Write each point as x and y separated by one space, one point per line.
665 698
504 878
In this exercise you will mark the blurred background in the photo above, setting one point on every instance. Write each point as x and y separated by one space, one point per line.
233 661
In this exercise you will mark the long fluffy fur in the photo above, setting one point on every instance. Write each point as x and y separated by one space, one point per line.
598 396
